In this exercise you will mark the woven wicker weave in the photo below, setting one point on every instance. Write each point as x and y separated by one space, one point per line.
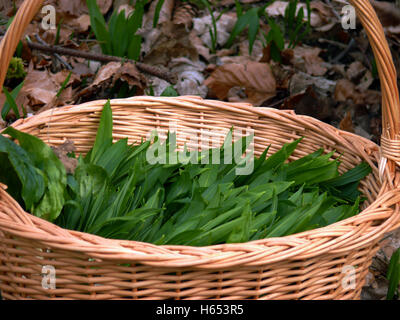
309 265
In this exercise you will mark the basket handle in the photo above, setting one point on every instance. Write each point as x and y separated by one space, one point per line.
390 141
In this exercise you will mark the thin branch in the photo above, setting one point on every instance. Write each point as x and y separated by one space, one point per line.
332 42
65 63
345 51
165 75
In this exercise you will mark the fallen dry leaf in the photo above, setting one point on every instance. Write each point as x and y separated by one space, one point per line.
282 75
339 69
109 74
78 7
81 68
307 59
300 81
359 75
128 9
198 44
230 2
62 152
39 87
347 123
184 14
165 12
225 25
345 89
256 78
310 102
326 18
171 41
49 36
106 73
158 85
233 59
227 52
365 82
388 13
131 75
277 8
119 3
317 19
257 52
190 76
50 90
82 23
355 70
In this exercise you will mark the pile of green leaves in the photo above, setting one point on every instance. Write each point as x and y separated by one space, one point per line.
118 37
250 20
294 29
115 192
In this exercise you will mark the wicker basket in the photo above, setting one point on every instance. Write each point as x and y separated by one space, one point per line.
308 265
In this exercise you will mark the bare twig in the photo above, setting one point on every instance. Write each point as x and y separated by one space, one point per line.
332 42
345 51
329 4
168 76
65 63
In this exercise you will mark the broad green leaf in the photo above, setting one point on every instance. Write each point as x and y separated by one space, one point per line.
216 235
121 227
136 19
50 206
169 92
114 155
355 174
119 39
90 178
112 22
99 26
393 275
316 175
254 25
184 237
157 12
17 164
104 134
241 233
10 101
208 177
241 23
135 47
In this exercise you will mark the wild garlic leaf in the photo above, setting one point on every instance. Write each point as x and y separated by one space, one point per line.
104 134
50 205
19 173
393 275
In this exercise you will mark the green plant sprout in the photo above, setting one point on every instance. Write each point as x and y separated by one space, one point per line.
11 103
393 275
118 37
250 19
295 29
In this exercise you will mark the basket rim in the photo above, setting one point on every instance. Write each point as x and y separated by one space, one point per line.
355 231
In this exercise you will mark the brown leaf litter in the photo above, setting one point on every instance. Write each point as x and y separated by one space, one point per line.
108 75
256 79
62 153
